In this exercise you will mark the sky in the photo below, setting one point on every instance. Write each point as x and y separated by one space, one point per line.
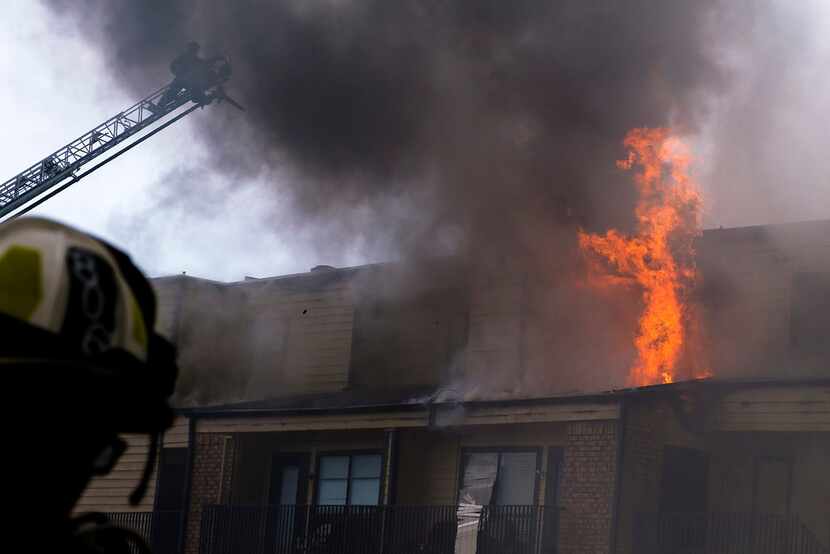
55 87
762 156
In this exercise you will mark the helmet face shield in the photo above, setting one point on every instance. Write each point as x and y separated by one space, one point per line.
90 398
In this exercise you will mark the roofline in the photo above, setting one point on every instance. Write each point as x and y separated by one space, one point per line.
342 271
184 277
409 405
777 225
430 403
218 411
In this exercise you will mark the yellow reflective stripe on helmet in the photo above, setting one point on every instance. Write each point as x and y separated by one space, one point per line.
21 281
139 327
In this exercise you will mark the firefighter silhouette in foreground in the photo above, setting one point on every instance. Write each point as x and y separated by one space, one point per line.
201 78
82 364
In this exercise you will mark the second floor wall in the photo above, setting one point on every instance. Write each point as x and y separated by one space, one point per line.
762 309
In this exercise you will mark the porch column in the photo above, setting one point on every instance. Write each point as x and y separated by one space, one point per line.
390 473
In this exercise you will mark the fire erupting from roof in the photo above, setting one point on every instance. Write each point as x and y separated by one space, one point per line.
659 256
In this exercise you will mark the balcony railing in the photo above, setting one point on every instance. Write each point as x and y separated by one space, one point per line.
161 529
723 533
378 530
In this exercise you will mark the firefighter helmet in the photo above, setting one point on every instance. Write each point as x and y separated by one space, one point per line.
69 298
78 317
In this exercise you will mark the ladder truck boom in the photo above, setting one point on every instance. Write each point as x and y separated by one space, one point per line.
29 187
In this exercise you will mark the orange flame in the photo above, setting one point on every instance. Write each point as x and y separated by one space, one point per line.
660 256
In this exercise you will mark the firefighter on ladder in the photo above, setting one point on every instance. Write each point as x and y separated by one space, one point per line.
192 74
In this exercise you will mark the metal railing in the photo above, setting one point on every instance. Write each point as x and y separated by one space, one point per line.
161 529
378 530
723 533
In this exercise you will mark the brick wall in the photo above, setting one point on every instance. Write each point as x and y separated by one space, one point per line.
587 490
211 471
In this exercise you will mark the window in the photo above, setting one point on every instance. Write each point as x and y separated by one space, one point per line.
352 479
499 477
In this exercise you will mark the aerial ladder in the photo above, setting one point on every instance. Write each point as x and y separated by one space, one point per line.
68 165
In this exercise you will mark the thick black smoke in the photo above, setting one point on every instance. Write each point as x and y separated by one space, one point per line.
469 123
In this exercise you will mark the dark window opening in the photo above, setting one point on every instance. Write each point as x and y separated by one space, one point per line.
172 470
772 486
170 499
683 490
289 479
684 480
499 477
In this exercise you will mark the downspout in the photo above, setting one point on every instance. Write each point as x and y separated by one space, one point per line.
158 472
390 482
188 481
615 514
155 515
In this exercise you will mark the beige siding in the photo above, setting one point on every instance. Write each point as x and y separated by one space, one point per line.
445 416
522 333
178 434
800 409
208 323
384 420
410 341
169 296
494 342
748 293
303 339
257 338
427 467
110 492
441 471
318 340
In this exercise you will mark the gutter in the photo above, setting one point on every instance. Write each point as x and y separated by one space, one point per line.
254 412
428 404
